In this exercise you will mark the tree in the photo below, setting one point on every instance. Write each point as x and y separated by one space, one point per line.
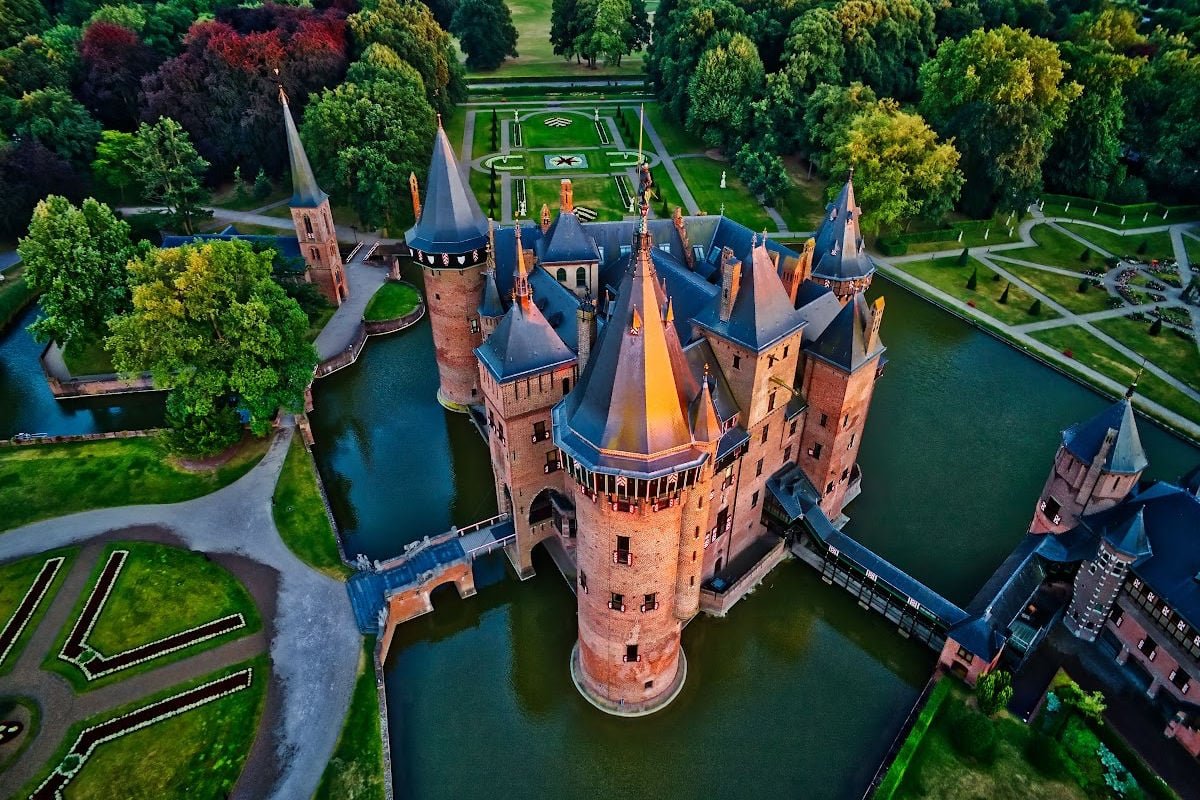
1002 94
365 140
113 63
210 324
611 33
28 172
381 63
262 186
565 27
964 257
1086 255
993 691
762 171
115 163
171 170
1155 327
76 258
688 30
728 78
1035 308
1004 294
35 63
886 42
58 121
902 171
19 18
1163 102
1089 705
973 281
486 32
827 117
1085 285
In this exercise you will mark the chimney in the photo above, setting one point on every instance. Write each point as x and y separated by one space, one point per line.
586 318
876 321
797 270
731 281
566 200
545 217
416 195
688 257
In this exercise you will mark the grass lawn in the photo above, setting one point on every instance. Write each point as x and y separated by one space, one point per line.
1168 351
356 768
16 578
51 480
536 134
318 322
393 299
300 514
1056 249
1062 288
803 205
1158 245
197 754
674 136
703 177
1090 351
947 275
161 590
598 194
1190 243
481 142
227 197
15 294
88 358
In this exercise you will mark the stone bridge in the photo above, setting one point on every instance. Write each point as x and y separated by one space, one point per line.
386 593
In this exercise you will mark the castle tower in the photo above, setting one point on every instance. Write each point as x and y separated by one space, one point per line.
524 369
1099 580
839 258
1096 467
639 460
491 309
840 370
449 242
313 219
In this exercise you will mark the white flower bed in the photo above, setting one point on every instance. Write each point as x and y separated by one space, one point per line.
22 620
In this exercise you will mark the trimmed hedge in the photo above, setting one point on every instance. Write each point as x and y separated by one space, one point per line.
895 774
1113 209
897 244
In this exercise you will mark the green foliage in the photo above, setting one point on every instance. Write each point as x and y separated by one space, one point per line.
994 690
19 18
170 169
380 62
1143 245
262 185
763 173
210 324
1046 755
1156 327
964 256
115 164
57 120
974 736
1084 286
973 281
37 62
355 772
687 31
899 770
130 17
486 32
727 77
299 513
1086 255
76 258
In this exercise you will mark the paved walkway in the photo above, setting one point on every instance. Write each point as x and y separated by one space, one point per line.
315 645
1111 313
342 329
685 194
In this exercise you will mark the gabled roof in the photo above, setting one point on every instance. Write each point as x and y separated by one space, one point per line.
840 254
451 220
818 305
844 341
566 242
305 191
1085 439
703 415
762 312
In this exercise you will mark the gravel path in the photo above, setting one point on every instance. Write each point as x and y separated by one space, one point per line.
314 642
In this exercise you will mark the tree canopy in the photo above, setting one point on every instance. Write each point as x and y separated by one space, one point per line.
170 170
486 32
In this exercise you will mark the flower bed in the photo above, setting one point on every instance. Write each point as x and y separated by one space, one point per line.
28 605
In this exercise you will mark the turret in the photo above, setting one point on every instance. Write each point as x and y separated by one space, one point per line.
839 256
1123 541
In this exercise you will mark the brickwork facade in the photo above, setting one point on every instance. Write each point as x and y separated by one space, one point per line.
318 245
1097 584
1074 489
453 296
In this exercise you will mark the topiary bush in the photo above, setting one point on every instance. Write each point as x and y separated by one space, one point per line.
1036 308
1046 755
1004 294
1086 255
973 281
974 736
962 257
1155 327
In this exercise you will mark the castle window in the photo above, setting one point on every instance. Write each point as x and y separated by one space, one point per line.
771 402
553 464
785 350
758 468
1116 480
692 582
764 433
787 453
846 421
631 653
540 433
829 488
754 500
649 684
316 254
474 325
566 385
622 555
824 421
308 228
850 444
561 275
1180 679
1051 507
963 655
737 361
693 555
580 277
845 475
651 602
583 581
626 249
616 601
815 450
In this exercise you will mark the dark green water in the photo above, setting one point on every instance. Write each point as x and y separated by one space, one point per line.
26 404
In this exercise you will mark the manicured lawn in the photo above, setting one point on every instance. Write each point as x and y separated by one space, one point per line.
803 205
356 769
393 299
1056 249
161 590
16 578
1190 243
1158 245
703 177
51 480
1168 351
1062 288
300 514
318 322
197 754
536 134
14 293
481 142
947 275
673 134
227 196
598 194
88 357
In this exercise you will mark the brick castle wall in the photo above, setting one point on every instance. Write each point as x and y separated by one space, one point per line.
453 299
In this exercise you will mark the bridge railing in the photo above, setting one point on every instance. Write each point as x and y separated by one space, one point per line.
441 538
483 523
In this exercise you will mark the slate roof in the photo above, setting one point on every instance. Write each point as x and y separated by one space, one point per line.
818 306
491 305
566 242
840 253
451 220
287 246
1084 440
1128 536
762 312
305 191
843 343
557 303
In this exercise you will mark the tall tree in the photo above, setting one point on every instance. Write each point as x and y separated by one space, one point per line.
113 61
29 171
116 164
366 140
19 18
762 171
689 29
565 27
76 258
1163 103
886 42
727 80
171 170
486 32
211 325
1002 95
381 63
31 64
57 120
828 115
612 32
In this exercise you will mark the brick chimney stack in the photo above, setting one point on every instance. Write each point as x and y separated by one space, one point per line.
545 217
731 281
566 202
586 319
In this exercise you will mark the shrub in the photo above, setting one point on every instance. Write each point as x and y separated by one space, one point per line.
262 186
1086 255
1143 245
1004 294
995 277
1046 755
962 257
1155 327
1130 190
973 281
974 735
1084 285
993 691
1036 308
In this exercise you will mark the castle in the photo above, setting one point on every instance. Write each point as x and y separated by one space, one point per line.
639 382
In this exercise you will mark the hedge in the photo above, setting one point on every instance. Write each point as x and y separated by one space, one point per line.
1131 210
895 774
1147 779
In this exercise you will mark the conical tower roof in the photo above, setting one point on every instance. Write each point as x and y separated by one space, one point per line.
840 253
490 305
1129 536
1085 439
451 220
706 427
626 413
845 342
305 191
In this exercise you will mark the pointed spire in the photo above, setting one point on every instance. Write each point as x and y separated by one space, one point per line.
451 221
520 273
1133 386
305 191
840 254
706 425
1114 428
670 315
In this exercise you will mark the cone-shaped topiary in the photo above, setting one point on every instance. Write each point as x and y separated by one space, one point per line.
1004 294
1155 327
1143 245
973 281
963 257
1036 308
1086 255
1084 285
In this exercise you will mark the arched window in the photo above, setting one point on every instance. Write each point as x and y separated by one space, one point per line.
561 275
308 225
316 254
581 277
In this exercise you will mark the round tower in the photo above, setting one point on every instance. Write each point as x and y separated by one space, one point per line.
449 242
1099 580
638 439
839 257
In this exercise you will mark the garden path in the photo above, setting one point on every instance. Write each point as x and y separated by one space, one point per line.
364 280
685 194
315 644
1092 316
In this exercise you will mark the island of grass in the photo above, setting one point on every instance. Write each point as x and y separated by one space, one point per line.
17 579
160 591
88 357
300 516
356 768
15 294
198 753
952 278
1172 351
393 300
38 482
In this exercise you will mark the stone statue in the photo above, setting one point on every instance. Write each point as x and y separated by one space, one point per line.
722 179
596 114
